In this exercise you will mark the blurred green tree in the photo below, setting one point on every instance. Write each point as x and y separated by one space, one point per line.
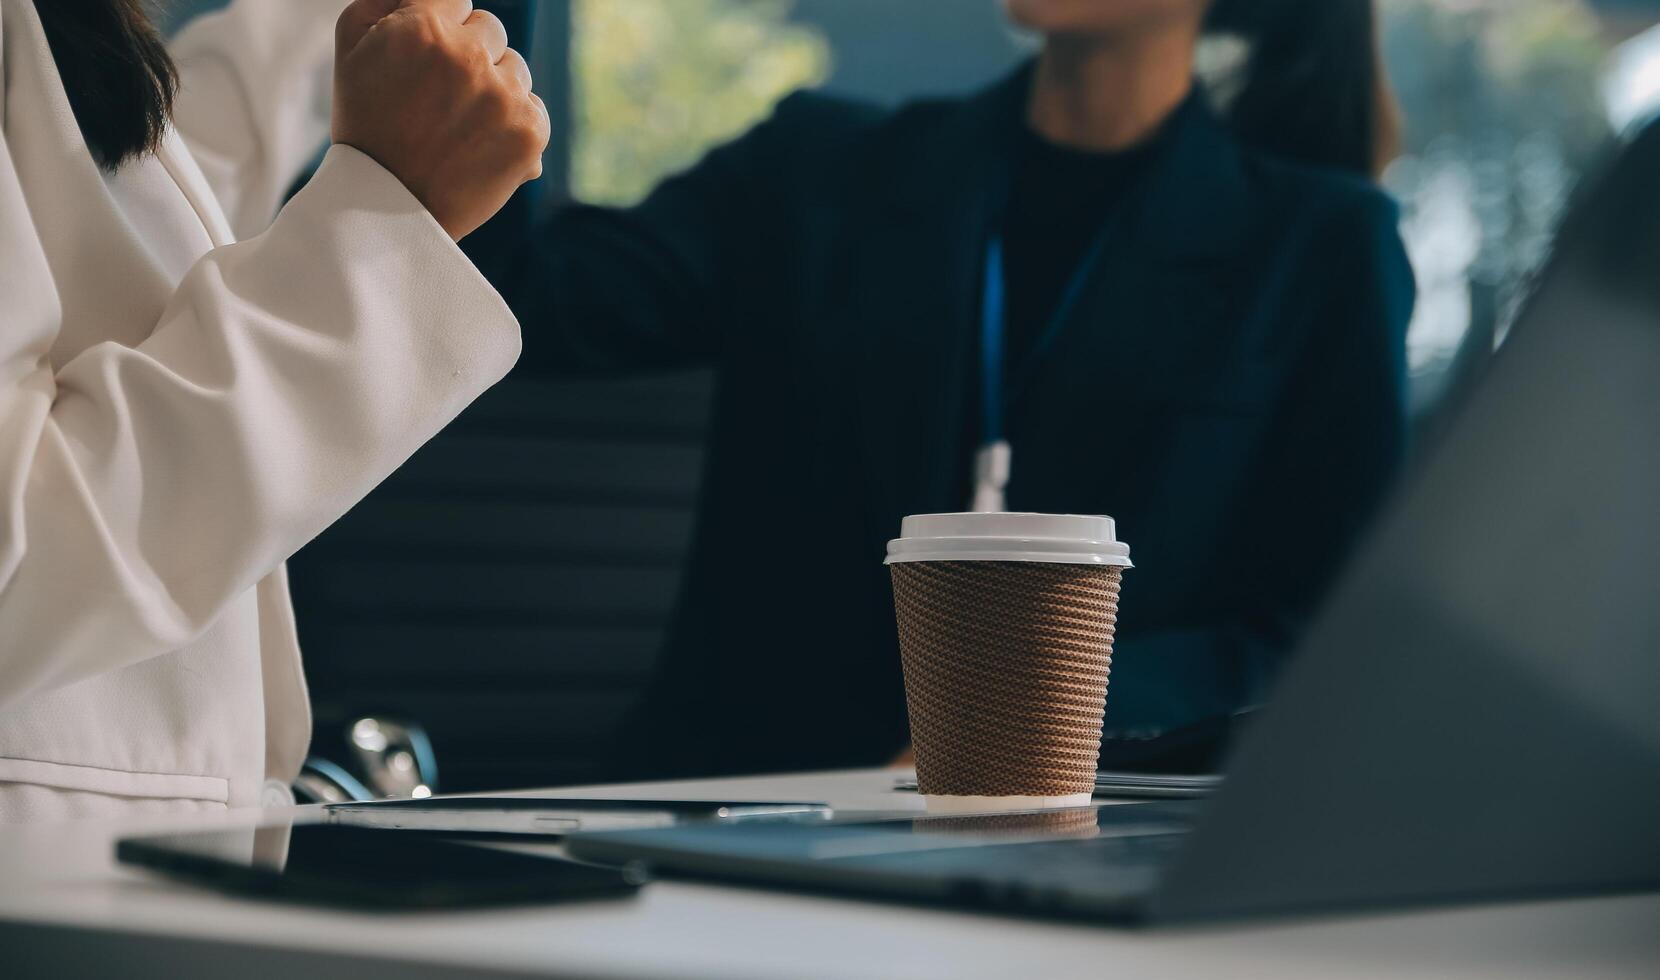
658 82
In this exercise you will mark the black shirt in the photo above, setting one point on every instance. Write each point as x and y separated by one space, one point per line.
1058 203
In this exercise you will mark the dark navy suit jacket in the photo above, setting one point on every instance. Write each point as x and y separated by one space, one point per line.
1230 388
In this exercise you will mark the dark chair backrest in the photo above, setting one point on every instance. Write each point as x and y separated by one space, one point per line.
508 587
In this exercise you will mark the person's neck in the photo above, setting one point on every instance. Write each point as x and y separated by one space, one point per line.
1107 94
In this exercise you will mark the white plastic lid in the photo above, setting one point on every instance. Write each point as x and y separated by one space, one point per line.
1068 539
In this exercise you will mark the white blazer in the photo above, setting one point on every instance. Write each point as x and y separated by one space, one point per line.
180 412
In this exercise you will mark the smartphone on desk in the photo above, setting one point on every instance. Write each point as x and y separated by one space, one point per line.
543 817
372 870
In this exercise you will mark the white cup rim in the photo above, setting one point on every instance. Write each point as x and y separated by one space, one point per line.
1068 539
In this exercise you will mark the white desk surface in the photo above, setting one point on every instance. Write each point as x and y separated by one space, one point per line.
64 876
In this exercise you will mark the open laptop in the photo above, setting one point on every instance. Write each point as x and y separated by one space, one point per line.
1474 714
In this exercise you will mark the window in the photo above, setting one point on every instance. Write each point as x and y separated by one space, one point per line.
1507 103
658 82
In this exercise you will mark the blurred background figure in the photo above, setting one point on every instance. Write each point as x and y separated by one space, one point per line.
541 539
1185 309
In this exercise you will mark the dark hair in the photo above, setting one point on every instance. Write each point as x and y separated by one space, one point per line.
117 71
1315 89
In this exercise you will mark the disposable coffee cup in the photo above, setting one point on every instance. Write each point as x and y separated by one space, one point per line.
1005 634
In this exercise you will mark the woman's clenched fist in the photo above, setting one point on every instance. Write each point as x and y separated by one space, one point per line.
431 91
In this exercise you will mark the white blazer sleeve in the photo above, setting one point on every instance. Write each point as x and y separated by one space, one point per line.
144 488
255 81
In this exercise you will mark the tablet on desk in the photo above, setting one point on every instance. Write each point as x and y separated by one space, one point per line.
354 867
543 817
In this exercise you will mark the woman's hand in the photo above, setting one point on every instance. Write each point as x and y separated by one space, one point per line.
431 91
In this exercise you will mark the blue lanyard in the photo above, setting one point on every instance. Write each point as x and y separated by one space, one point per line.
995 393
991 345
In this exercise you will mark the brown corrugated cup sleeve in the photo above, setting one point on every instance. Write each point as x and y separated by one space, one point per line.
1006 668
